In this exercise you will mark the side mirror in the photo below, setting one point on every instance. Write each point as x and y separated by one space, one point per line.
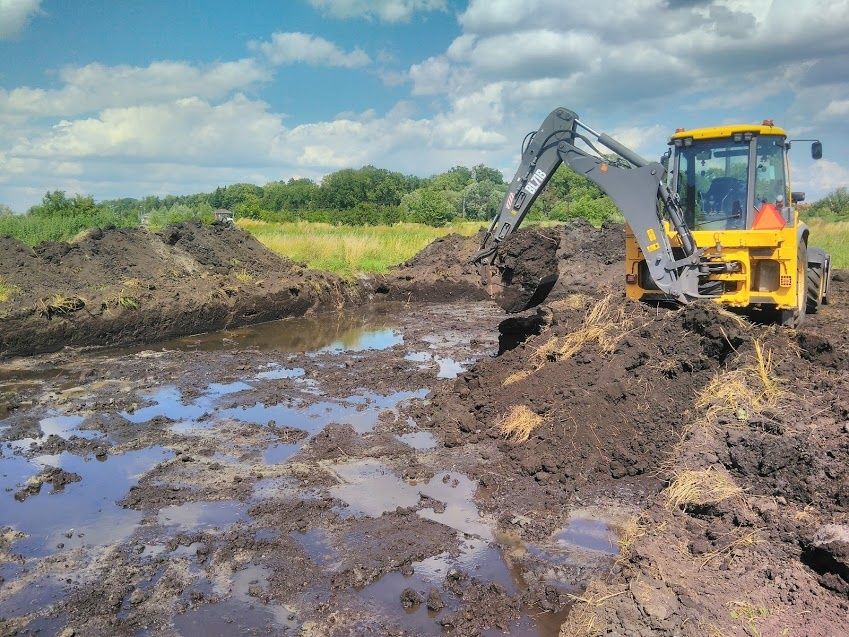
816 150
797 197
664 159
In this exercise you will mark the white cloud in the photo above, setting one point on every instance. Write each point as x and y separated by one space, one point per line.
642 139
384 10
837 108
631 68
14 14
187 130
611 51
822 176
294 48
97 86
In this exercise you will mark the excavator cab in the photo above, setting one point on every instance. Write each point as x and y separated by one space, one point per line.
714 179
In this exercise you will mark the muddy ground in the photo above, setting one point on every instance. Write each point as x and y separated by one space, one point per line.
365 472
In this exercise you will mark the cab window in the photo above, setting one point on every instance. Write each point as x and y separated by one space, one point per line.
711 182
770 181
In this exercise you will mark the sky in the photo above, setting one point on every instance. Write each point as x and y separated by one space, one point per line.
117 99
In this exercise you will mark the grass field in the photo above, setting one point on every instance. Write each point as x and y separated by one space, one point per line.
833 237
348 250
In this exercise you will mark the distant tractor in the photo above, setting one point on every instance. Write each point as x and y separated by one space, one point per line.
222 215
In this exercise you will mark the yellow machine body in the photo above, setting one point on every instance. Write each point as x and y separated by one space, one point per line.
760 253
766 270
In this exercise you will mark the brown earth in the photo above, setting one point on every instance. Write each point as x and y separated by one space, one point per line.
714 449
624 400
442 271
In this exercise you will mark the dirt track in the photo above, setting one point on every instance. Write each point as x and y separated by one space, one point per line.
326 475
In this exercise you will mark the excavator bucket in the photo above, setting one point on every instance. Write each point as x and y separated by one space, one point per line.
524 271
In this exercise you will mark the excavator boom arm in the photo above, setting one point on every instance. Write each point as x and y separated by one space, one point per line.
634 184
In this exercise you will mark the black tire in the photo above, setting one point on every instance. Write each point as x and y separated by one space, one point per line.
794 318
813 289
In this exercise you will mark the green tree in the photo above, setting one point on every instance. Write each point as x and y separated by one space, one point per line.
481 199
295 194
229 196
250 206
485 173
834 206
56 204
455 179
426 205
345 189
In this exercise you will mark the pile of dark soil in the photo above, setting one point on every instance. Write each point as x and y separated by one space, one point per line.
609 413
118 286
574 257
619 401
771 558
443 271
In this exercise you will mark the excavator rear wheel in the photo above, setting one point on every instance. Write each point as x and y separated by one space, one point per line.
814 290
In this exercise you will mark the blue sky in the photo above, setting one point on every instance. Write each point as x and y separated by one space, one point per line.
126 99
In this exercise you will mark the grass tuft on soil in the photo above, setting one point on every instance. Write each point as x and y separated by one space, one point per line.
701 487
126 301
61 305
741 393
748 614
633 529
7 290
518 423
605 324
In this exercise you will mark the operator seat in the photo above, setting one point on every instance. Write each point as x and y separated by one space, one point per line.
725 195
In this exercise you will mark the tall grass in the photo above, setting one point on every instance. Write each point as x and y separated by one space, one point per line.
348 250
833 237
32 229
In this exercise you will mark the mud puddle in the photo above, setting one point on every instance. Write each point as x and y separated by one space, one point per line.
264 479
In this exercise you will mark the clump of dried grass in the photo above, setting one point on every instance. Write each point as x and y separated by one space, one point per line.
127 301
575 301
744 540
741 393
748 615
584 619
60 305
515 377
518 423
605 324
633 529
701 487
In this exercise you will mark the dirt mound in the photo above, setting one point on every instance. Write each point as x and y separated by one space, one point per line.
526 270
442 271
117 286
731 438
585 379
218 249
587 259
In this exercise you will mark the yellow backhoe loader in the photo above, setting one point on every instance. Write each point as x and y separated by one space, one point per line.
714 219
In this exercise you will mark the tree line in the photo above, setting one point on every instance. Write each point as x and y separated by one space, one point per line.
363 196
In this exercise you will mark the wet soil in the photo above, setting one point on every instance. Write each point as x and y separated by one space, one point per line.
269 479
366 473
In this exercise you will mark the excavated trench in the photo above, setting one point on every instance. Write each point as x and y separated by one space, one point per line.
268 479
